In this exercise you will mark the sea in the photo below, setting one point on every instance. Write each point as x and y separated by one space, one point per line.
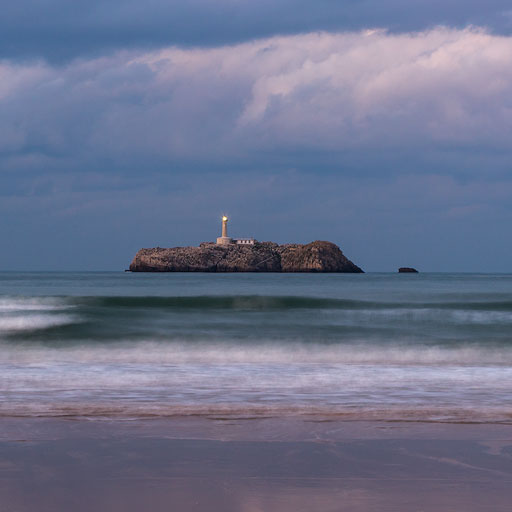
374 346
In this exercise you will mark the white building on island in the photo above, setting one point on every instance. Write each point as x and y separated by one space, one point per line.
226 240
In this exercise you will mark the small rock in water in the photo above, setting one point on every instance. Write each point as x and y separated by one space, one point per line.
405 270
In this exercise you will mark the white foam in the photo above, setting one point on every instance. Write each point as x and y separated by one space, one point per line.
30 322
135 380
484 317
31 304
153 352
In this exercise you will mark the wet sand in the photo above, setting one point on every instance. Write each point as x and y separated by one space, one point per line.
244 464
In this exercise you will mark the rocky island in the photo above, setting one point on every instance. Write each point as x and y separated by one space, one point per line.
254 257
244 255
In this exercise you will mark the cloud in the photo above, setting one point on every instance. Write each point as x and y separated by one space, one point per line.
58 31
315 99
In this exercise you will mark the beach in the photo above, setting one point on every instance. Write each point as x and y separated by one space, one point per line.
248 464
255 392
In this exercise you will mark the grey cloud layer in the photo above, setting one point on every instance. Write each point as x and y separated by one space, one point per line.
336 101
59 30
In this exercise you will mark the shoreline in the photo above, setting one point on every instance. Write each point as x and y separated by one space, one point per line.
234 428
293 413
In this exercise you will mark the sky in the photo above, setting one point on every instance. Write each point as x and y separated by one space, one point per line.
384 126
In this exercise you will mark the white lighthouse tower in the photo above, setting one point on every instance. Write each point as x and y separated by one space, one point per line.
224 239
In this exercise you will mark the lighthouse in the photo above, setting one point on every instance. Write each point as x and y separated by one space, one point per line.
224 239
227 240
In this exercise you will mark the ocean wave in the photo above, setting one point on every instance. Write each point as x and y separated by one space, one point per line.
252 319
278 303
221 353
381 347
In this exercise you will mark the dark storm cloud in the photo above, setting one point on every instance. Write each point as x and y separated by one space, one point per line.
58 30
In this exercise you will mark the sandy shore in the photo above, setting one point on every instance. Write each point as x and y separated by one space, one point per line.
244 464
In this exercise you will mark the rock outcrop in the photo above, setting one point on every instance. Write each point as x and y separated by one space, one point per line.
261 257
407 270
